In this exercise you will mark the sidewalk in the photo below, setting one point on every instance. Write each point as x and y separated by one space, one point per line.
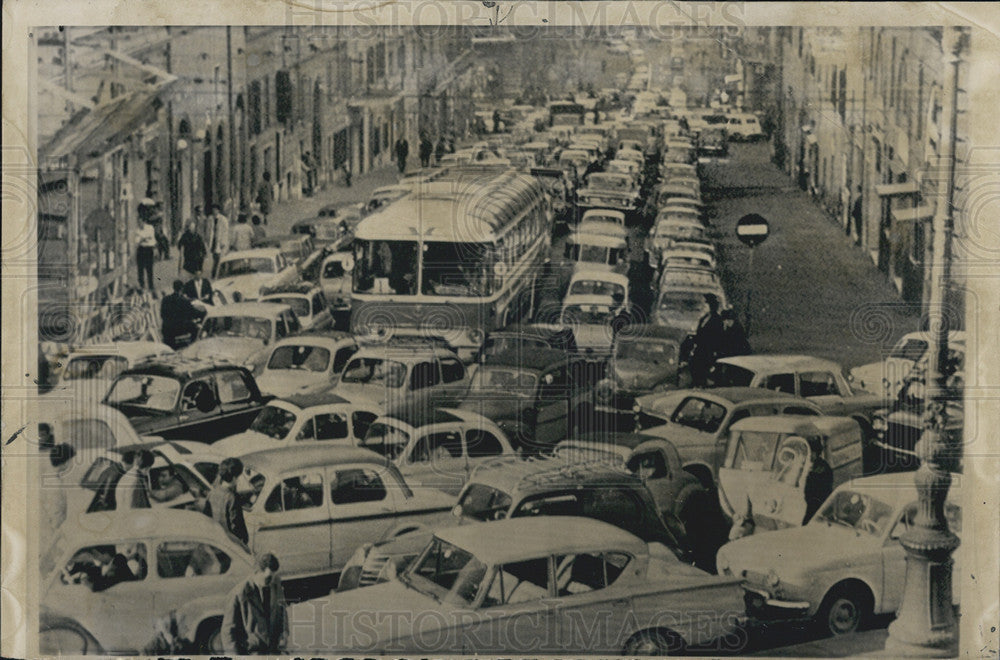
870 643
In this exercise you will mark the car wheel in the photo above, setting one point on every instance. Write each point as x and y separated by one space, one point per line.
654 642
844 610
209 637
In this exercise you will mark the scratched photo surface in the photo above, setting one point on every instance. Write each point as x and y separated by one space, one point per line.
501 328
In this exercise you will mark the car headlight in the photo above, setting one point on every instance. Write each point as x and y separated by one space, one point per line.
476 336
772 579
879 423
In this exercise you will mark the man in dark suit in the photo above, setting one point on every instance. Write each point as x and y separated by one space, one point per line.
179 317
199 288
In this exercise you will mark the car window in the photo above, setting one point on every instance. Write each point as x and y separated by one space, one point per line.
451 370
361 421
233 387
280 328
199 395
308 430
331 426
318 304
648 465
519 582
699 414
424 374
437 447
189 559
799 410
102 567
482 443
583 572
342 356
817 383
356 485
779 383
300 492
293 323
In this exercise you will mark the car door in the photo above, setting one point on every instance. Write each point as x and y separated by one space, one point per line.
362 509
820 387
239 399
436 460
423 378
322 318
517 598
294 523
552 404
186 569
591 613
453 381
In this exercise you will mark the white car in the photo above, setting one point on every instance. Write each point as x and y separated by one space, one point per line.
248 271
241 332
887 377
307 301
304 364
744 126
844 565
335 280
598 282
603 216
88 372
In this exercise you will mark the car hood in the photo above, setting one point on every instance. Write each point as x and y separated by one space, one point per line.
248 286
286 382
495 405
355 621
375 394
683 436
233 349
639 375
868 377
89 389
244 443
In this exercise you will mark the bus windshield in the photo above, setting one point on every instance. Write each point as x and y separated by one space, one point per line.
457 269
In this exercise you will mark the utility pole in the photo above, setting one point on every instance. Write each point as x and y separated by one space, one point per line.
231 119
926 624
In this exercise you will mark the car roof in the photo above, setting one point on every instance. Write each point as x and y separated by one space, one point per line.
529 476
303 401
109 528
303 288
418 417
734 394
639 332
179 366
329 339
309 454
599 274
269 252
763 363
248 309
539 537
616 439
527 358
796 424
603 213
126 349
897 488
401 352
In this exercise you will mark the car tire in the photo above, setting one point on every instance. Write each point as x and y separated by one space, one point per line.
654 643
845 609
208 639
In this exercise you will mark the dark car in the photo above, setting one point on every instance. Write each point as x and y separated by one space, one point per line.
187 399
523 336
529 393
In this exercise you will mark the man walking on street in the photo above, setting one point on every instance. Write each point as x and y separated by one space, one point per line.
439 150
220 237
258 233
256 619
192 249
402 151
707 340
241 236
223 504
179 317
145 253
199 288
426 150
265 196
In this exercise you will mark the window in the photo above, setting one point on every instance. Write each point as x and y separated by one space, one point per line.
318 304
190 558
437 447
424 374
104 566
199 395
700 414
817 383
519 582
357 485
779 383
342 356
300 492
331 426
308 358
482 443
361 421
451 370
577 574
308 431
233 387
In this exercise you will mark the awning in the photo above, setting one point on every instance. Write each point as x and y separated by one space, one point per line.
917 213
895 189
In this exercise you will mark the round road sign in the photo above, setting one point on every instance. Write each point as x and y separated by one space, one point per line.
752 229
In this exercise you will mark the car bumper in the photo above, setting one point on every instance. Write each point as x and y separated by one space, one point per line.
762 607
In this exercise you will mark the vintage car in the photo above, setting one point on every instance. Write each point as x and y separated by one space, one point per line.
821 381
610 191
384 196
527 335
243 274
887 377
330 225
529 393
294 247
680 277
672 229
403 375
306 299
567 484
762 477
117 573
436 448
682 306
242 332
744 127
697 421
64 635
302 418
603 215
587 281
845 565
187 399
304 364
592 319
561 572
668 170
88 371
335 280
313 504
679 257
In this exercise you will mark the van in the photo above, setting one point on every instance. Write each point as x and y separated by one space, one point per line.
744 127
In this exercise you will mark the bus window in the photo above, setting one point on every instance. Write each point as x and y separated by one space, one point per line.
386 267
456 269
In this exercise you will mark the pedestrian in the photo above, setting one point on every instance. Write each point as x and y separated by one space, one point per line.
707 339
241 235
496 121
179 318
258 233
199 288
265 196
734 337
219 240
132 491
819 480
223 504
144 254
107 481
439 150
347 176
192 249
402 151
256 619
857 214
426 150
53 491
309 168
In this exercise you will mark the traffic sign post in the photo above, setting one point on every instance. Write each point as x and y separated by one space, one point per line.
752 230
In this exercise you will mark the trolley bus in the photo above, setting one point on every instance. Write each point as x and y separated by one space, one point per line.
459 257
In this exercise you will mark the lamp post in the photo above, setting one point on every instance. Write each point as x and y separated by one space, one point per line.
926 625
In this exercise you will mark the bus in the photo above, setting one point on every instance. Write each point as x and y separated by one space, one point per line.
562 113
459 257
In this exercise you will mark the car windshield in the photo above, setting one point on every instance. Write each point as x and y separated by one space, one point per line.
375 371
483 503
245 266
333 270
506 379
447 573
300 357
858 511
299 304
911 349
730 375
145 391
94 366
646 350
755 451
237 326
587 314
596 288
274 422
682 303
386 440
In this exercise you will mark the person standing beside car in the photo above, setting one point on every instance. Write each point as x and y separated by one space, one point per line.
223 503
219 240
192 249
199 288
819 480
132 491
241 236
707 341
256 618
179 316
